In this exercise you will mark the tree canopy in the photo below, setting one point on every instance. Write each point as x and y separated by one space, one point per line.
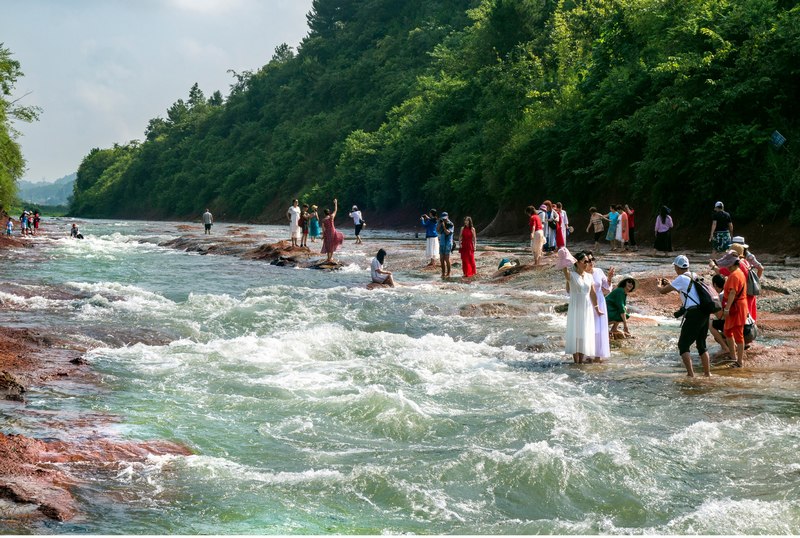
480 105
12 164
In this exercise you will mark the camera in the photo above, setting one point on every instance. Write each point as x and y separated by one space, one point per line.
679 312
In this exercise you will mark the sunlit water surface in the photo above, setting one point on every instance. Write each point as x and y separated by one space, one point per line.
315 406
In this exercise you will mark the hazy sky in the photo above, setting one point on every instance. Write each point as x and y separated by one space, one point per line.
100 69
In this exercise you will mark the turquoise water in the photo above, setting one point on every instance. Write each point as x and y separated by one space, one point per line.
315 406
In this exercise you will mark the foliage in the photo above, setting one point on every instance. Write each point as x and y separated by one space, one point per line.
486 104
12 164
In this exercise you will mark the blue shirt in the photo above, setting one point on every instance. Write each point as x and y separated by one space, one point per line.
445 238
430 226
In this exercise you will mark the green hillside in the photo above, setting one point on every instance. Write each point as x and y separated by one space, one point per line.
483 106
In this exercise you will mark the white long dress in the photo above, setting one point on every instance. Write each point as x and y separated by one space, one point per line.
580 320
602 348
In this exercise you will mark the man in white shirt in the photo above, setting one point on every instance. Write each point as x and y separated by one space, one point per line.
293 214
358 221
695 323
208 220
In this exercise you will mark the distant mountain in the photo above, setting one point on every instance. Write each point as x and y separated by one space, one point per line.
56 193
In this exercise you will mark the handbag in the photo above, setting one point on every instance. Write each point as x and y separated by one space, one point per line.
753 282
750 330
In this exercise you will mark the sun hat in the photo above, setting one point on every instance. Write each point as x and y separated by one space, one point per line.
681 261
505 263
739 240
355 208
728 259
719 204
565 258
739 249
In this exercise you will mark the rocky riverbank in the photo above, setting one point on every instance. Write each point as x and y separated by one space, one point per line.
33 484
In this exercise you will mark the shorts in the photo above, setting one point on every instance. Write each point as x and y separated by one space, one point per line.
735 333
598 236
694 330
721 241
432 247
718 324
445 248
208 226
358 229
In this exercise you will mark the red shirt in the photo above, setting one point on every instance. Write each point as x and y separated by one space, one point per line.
630 218
535 223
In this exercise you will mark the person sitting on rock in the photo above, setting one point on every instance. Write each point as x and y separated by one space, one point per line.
379 275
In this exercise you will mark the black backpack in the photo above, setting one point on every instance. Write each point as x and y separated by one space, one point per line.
707 305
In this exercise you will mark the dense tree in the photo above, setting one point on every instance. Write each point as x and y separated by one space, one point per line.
12 164
488 104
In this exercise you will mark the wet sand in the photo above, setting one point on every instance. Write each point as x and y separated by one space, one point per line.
32 486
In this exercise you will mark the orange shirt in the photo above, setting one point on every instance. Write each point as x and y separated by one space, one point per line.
738 309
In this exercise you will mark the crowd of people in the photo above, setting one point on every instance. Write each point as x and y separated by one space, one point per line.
596 308
28 223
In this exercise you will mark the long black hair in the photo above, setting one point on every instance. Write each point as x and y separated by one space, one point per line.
381 255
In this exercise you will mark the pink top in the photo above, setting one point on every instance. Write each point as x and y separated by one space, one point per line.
662 227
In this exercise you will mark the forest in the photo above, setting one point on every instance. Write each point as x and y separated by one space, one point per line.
483 107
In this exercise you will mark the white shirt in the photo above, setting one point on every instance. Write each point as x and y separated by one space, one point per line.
376 265
681 283
294 214
356 216
207 218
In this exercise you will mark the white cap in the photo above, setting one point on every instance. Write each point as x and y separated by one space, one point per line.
719 204
681 261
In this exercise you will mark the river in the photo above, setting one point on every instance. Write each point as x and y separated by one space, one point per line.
315 406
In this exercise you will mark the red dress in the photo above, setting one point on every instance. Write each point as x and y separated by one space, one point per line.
331 239
468 252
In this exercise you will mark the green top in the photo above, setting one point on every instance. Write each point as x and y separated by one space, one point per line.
616 304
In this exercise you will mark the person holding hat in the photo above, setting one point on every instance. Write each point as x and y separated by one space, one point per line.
694 328
445 229
580 335
358 222
721 229
735 310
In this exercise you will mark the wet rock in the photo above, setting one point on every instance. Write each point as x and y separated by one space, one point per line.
326 265
80 361
491 310
274 252
561 309
284 261
376 286
11 388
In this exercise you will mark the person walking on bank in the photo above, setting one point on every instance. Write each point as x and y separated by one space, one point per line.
208 220
596 224
721 229
663 230
304 225
468 239
622 236
445 229
694 328
431 237
358 222
537 233
631 228
293 214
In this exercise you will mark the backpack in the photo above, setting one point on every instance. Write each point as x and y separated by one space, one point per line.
753 282
707 305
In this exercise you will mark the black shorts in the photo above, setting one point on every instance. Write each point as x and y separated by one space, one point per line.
718 324
358 229
694 330
208 227
598 236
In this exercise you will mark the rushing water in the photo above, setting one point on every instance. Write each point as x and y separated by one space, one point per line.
315 406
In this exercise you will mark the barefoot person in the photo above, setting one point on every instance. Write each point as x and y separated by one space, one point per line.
208 221
293 215
694 328
379 275
358 223
445 229
721 229
429 221
596 224
537 234
468 239
331 238
580 336
617 305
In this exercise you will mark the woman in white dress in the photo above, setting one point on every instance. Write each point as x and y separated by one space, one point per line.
580 338
602 286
